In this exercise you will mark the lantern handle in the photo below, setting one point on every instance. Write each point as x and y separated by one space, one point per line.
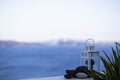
86 43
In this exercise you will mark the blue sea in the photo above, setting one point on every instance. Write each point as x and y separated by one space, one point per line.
41 61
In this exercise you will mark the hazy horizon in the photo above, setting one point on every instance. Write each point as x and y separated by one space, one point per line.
47 20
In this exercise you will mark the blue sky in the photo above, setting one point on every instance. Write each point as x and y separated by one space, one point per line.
44 20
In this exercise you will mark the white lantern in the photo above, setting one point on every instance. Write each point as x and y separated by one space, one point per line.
90 57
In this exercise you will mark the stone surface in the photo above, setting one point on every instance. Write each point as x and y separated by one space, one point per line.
56 78
81 75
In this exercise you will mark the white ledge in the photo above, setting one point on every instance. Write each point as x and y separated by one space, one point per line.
55 78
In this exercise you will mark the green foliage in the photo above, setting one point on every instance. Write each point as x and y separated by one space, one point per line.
111 64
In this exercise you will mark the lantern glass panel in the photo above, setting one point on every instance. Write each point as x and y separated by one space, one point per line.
91 60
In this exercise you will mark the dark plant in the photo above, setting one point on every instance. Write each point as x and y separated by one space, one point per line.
111 64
